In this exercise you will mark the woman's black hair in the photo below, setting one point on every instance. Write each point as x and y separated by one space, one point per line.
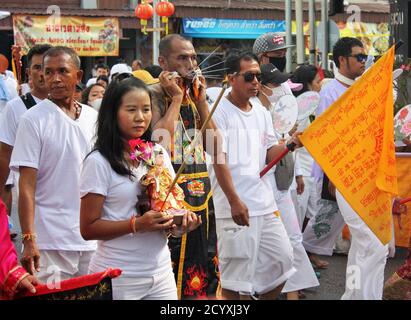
103 78
109 140
86 92
305 75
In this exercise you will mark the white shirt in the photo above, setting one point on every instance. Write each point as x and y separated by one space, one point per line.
11 86
54 144
10 119
302 157
25 88
142 254
328 95
246 138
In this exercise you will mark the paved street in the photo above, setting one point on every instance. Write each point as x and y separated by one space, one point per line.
332 280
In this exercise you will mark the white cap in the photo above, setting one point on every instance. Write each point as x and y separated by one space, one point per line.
119 69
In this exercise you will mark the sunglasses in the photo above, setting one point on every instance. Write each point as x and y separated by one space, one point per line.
360 57
249 76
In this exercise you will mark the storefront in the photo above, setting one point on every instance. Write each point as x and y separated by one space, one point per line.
102 35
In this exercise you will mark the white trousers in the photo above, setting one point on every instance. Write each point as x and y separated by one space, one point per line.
305 276
366 259
254 259
56 266
323 229
306 204
158 287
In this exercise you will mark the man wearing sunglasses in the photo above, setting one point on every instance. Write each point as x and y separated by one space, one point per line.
367 256
255 254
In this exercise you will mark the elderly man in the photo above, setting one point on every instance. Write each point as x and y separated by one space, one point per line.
53 138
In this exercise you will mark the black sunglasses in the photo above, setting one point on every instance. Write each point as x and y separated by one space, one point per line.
249 76
360 57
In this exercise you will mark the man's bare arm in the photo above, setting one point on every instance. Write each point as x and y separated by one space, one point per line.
5 155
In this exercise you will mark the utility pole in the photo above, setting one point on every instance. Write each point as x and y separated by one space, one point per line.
156 33
300 32
311 18
324 31
289 35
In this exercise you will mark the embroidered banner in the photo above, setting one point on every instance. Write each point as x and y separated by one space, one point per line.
353 141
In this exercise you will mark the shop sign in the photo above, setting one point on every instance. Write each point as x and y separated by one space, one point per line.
88 36
230 28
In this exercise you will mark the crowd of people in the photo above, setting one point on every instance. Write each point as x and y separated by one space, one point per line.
67 149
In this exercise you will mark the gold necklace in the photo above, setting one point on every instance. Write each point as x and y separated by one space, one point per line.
77 112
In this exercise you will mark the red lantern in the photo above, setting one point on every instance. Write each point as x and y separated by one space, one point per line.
144 11
165 9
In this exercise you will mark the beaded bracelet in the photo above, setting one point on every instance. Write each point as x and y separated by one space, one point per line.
28 236
133 224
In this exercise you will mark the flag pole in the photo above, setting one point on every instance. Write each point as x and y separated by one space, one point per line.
404 201
289 147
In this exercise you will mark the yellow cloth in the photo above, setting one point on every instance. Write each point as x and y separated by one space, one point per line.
353 142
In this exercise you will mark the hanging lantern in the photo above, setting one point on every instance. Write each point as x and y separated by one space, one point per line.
144 12
165 9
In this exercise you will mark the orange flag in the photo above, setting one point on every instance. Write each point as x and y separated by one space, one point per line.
353 142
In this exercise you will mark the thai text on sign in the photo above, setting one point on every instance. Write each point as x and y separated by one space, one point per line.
88 36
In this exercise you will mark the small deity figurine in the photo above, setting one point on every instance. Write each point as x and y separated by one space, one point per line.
158 181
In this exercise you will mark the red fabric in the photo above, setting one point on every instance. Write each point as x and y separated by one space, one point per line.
75 283
321 73
8 255
405 270
12 282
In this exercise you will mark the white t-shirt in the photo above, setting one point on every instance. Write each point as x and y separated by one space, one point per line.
246 138
143 254
10 119
54 144
302 157
11 86
25 88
